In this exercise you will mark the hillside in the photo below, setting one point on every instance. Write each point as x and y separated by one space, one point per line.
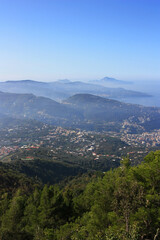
80 111
120 204
41 171
30 106
96 108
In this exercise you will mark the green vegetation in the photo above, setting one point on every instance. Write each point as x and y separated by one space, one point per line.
123 203
11 179
45 171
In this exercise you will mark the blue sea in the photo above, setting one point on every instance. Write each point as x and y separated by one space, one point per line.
150 87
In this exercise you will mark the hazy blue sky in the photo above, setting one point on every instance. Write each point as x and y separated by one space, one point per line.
79 39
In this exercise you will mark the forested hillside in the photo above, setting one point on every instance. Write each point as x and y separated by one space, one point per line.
121 204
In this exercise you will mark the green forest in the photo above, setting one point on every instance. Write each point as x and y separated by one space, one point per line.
123 203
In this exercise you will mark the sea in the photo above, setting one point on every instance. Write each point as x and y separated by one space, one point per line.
150 87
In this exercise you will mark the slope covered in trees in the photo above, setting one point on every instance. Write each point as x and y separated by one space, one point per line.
122 204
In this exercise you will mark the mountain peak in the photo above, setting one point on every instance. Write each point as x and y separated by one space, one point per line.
114 80
108 79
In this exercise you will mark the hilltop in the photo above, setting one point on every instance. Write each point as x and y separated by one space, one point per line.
109 80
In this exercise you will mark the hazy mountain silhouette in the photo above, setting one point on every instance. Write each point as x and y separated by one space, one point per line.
63 89
78 109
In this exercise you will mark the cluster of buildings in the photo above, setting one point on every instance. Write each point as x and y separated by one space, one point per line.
147 139
71 141
75 142
4 151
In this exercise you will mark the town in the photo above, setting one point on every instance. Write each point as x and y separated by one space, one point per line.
147 139
75 143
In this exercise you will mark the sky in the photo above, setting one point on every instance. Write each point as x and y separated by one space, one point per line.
79 39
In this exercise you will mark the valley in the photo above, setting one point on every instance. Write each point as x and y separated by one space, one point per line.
89 149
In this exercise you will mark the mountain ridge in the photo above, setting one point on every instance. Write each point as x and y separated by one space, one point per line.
79 111
60 90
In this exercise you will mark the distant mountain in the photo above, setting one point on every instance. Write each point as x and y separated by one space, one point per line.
32 107
64 81
27 81
63 89
111 82
84 111
100 110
